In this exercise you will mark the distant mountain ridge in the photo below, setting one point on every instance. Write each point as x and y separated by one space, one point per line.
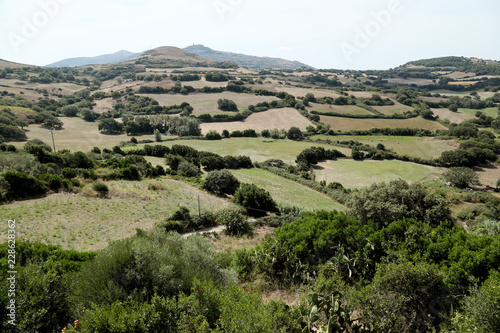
243 60
119 56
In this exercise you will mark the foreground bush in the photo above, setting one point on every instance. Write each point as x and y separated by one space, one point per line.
255 200
221 182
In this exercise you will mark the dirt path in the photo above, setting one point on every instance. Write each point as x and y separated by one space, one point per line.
217 229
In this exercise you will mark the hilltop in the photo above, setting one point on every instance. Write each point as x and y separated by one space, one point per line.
462 64
119 56
170 56
252 62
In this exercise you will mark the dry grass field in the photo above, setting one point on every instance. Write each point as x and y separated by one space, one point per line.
488 175
347 109
76 135
392 109
454 117
85 222
350 124
275 118
207 103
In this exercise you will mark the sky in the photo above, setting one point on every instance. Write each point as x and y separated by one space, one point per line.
354 34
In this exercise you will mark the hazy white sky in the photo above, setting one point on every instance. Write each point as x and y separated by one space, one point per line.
356 34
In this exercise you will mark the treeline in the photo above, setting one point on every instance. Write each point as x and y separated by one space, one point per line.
136 125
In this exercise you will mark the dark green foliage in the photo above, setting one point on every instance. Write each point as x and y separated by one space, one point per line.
481 309
404 297
227 105
235 222
138 268
101 188
461 177
188 169
255 200
213 135
294 133
69 173
221 182
210 163
383 203
110 126
22 186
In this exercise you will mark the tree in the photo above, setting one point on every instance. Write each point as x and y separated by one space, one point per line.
481 309
213 135
256 200
157 135
227 105
188 169
110 126
235 222
383 203
221 182
69 111
462 177
213 163
294 133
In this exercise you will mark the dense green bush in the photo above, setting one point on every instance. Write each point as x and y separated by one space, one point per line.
255 200
101 188
235 222
22 186
138 268
221 182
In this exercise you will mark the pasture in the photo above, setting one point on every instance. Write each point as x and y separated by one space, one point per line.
207 103
287 191
347 109
275 118
405 145
258 149
453 117
357 174
85 222
351 124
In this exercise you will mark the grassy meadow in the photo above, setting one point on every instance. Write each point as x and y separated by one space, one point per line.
287 191
351 124
405 145
84 221
357 174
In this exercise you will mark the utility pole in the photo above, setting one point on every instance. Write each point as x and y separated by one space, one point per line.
53 142
199 211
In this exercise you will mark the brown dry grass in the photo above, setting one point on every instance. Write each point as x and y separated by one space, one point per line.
350 124
274 118
347 109
463 83
207 103
454 117
488 175
103 105
392 109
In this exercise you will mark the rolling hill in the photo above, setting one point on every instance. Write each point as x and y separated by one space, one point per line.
119 56
252 62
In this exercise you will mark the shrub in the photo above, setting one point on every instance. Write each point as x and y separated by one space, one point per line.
235 222
461 176
213 135
69 173
22 186
101 188
256 200
188 169
221 182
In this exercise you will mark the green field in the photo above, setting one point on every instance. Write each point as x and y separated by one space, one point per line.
356 174
287 191
85 222
346 109
352 124
492 112
405 145
258 149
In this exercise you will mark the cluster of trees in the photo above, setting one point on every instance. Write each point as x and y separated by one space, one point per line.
218 77
226 105
11 127
134 104
481 149
181 126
